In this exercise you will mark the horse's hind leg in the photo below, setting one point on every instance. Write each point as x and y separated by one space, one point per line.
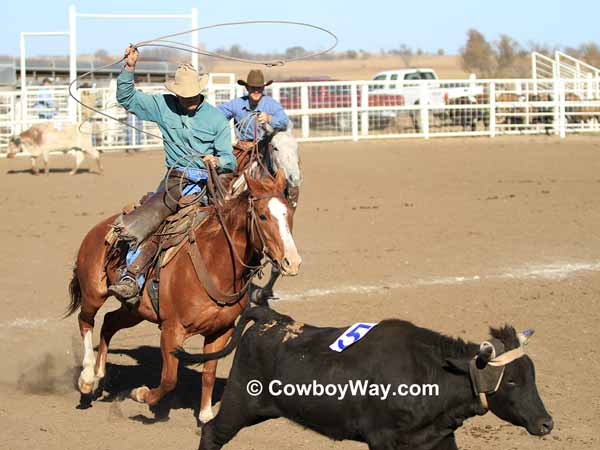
88 381
92 292
113 322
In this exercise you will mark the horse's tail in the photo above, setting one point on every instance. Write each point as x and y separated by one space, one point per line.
256 314
74 293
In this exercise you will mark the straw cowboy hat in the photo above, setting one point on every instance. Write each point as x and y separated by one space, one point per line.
255 78
187 82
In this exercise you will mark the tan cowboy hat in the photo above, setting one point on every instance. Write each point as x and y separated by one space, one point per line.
255 78
187 82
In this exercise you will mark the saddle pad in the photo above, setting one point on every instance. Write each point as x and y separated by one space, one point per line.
196 221
352 335
171 252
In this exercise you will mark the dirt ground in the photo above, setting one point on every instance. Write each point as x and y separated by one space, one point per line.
455 235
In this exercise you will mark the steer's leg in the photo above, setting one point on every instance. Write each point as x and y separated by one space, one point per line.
238 410
448 443
209 373
45 158
77 159
34 169
172 337
95 155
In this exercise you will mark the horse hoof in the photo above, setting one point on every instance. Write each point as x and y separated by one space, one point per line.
139 394
205 416
86 387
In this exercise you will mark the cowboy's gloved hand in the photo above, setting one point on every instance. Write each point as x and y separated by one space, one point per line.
264 118
131 57
211 159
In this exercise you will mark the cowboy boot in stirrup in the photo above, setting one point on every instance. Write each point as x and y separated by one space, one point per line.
127 290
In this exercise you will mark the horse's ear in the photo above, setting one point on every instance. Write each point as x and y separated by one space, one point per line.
253 185
280 180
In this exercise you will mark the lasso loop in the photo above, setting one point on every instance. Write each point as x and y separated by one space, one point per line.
164 41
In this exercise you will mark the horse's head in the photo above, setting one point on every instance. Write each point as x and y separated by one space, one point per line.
14 147
270 222
285 155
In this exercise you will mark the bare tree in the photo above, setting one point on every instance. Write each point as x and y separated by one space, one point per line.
478 55
511 59
102 55
590 53
406 54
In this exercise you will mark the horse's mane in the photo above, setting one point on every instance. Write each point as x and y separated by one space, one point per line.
234 208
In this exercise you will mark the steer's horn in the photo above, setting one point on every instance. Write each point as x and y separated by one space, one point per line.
485 354
525 335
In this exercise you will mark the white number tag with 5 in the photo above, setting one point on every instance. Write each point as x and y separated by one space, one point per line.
352 335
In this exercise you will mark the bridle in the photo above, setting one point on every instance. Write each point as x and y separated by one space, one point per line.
216 200
254 227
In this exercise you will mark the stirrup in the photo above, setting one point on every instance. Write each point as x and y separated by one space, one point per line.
125 290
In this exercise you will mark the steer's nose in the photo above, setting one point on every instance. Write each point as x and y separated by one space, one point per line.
546 425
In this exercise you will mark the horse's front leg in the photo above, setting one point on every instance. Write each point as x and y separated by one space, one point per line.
113 322
172 337
209 373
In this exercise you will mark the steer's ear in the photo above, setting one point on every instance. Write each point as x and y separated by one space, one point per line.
457 365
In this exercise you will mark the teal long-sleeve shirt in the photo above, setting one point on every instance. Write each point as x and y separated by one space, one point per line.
205 132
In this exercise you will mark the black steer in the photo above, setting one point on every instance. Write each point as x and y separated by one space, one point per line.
394 352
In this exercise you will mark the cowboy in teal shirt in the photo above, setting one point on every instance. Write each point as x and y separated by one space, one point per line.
204 132
195 134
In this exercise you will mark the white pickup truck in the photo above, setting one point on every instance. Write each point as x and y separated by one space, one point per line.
414 84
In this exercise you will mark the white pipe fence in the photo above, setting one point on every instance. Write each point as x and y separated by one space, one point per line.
350 110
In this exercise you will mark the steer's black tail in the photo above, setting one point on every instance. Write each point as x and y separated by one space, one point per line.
256 314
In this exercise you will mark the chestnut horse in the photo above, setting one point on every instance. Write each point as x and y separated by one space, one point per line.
258 222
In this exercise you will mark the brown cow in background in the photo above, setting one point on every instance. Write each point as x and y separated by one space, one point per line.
469 118
40 140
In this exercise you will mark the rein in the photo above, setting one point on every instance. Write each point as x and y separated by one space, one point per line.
217 197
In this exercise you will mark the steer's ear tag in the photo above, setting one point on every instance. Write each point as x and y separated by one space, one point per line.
353 334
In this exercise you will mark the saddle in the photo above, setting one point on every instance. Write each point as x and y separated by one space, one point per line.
170 237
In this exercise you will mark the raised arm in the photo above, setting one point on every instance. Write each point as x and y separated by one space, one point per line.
142 105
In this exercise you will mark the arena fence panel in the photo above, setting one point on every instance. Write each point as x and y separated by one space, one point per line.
351 110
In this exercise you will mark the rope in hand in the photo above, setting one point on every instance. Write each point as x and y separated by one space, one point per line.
164 41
